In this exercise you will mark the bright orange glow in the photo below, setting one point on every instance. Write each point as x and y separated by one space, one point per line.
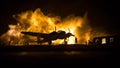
71 40
36 21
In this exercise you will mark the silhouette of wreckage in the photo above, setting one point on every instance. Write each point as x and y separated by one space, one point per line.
50 36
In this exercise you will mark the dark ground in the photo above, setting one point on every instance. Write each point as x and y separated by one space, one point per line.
44 55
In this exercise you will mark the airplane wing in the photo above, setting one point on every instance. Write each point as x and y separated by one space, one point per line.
35 34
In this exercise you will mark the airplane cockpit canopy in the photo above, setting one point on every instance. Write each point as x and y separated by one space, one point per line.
60 31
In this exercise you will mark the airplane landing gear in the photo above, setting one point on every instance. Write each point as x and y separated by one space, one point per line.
50 42
65 41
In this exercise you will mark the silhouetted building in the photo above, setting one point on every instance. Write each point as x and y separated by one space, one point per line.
106 40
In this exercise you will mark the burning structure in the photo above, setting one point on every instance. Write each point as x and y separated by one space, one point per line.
36 21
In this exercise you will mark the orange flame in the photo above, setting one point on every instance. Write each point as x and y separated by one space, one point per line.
36 21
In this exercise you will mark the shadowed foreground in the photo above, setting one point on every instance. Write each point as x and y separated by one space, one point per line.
78 54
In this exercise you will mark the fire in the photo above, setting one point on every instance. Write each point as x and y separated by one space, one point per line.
14 31
36 21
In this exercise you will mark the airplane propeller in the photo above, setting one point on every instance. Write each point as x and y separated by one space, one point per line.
69 30
55 28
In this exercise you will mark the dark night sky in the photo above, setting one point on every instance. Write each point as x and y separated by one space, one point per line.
102 14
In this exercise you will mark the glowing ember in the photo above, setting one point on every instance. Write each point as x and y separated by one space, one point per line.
36 21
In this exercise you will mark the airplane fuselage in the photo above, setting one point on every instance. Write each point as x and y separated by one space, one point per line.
49 37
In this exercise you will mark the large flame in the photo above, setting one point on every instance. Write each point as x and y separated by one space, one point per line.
36 21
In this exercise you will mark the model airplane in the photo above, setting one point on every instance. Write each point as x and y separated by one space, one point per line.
50 36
